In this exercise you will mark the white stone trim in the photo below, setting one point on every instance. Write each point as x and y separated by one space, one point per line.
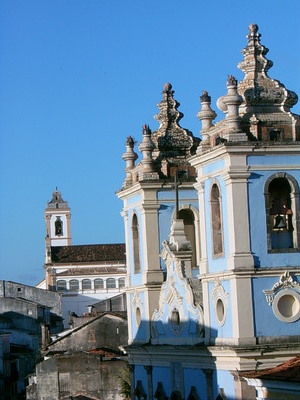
286 286
219 294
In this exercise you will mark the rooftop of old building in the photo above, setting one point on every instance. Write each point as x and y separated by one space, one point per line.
101 253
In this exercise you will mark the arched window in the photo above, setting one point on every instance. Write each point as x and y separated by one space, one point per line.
98 283
136 244
189 228
74 284
121 282
282 199
58 227
110 283
216 220
61 285
86 284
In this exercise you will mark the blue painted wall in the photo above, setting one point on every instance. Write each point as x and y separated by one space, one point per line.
195 377
265 321
224 379
162 374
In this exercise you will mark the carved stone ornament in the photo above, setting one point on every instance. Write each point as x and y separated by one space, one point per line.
286 281
177 318
220 300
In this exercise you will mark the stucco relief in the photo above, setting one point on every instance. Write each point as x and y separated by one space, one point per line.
220 300
284 297
177 315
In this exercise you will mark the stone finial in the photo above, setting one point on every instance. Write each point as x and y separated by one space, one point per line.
146 147
172 142
232 101
206 115
230 105
259 91
129 157
231 81
253 29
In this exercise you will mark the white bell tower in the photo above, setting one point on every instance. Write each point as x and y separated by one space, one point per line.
58 227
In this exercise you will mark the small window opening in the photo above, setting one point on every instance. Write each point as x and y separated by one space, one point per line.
280 214
58 227
216 221
136 244
188 218
275 135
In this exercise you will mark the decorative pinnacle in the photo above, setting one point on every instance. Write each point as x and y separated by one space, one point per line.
146 130
146 147
231 81
253 28
130 142
206 115
257 88
129 156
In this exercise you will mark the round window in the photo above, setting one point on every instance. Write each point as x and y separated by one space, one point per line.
138 316
220 311
286 305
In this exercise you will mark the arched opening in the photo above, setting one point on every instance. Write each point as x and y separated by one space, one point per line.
98 283
86 284
280 215
136 244
216 220
58 227
188 218
110 283
121 282
61 285
74 284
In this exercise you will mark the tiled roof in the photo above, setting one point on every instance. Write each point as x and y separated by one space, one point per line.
109 353
89 253
288 371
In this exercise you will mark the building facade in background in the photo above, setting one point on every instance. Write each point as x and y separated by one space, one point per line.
28 317
212 242
83 274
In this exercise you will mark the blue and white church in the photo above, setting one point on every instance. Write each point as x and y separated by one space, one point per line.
212 243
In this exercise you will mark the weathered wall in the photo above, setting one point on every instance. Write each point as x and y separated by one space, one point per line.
80 373
107 331
31 293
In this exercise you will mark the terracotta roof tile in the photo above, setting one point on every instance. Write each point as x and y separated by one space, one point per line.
89 253
288 371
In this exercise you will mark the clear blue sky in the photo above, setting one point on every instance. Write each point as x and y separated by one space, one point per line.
78 77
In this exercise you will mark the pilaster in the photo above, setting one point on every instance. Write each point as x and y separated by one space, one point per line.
240 256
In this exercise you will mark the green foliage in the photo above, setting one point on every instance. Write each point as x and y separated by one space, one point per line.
123 376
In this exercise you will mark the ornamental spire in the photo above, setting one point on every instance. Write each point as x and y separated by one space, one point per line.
129 157
146 147
260 92
172 142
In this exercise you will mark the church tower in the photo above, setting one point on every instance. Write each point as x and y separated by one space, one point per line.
58 227
150 206
221 294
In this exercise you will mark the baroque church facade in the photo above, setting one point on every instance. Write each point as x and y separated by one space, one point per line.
212 242
83 274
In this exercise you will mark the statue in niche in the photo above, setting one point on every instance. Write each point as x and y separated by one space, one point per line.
58 227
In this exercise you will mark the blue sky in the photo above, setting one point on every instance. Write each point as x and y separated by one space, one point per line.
78 77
